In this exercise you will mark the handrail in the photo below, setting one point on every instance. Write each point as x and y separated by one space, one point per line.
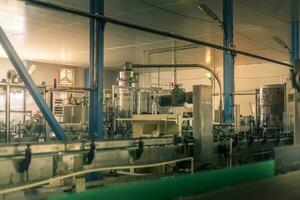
44 182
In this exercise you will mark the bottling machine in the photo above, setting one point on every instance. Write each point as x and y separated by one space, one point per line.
142 126
30 152
253 138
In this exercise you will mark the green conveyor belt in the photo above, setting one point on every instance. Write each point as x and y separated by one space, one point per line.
179 186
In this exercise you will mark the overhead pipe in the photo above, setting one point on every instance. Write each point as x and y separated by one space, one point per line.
186 66
169 49
152 30
243 93
165 50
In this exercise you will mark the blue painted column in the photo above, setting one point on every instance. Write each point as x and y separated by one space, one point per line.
294 41
294 57
228 61
96 71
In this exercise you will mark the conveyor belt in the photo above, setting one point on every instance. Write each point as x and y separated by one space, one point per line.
283 187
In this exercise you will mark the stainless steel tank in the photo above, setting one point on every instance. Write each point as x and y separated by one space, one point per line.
125 77
270 105
143 102
128 78
75 114
124 102
125 96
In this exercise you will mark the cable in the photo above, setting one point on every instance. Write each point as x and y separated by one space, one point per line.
208 21
260 11
177 13
254 40
262 77
151 30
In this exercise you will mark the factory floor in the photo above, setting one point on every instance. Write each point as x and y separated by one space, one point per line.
285 187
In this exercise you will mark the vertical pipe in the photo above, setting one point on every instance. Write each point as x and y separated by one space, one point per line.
294 41
228 60
174 61
92 85
99 70
24 104
87 77
150 73
7 113
294 57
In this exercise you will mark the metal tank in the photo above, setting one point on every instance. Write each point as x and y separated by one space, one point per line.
270 105
124 95
143 102
127 77
124 102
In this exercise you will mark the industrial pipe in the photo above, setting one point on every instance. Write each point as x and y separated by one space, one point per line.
186 66
167 49
151 30
243 93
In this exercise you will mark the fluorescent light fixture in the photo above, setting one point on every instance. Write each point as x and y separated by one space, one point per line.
208 75
208 56
210 13
31 69
279 41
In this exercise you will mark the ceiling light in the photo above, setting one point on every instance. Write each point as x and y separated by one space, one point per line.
208 56
208 75
210 13
279 41
31 69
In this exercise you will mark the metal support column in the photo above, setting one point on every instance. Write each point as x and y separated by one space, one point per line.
30 85
87 77
294 41
228 61
92 85
96 71
294 57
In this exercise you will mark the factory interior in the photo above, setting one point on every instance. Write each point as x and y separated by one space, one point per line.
149 99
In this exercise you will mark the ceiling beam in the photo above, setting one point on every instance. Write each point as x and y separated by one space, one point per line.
152 30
